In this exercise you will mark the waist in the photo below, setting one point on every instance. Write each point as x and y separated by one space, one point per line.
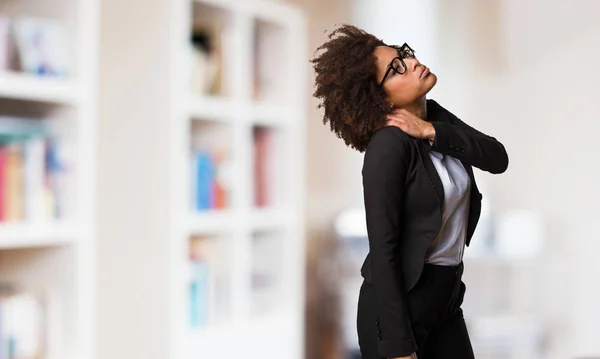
456 270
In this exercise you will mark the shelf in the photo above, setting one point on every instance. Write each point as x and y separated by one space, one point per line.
219 109
269 219
39 89
271 114
210 108
219 221
210 222
26 235
226 330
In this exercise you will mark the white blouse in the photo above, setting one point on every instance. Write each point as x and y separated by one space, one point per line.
448 247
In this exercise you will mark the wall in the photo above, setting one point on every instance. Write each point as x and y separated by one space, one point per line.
531 81
525 72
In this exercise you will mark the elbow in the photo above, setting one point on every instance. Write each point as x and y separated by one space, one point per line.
501 164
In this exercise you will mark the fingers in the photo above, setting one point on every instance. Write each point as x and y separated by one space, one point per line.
404 125
407 122
400 124
398 120
398 115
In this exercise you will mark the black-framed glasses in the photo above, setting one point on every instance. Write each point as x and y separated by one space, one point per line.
397 64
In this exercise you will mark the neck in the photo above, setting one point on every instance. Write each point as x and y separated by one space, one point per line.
418 108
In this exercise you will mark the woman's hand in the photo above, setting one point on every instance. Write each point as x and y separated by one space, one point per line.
411 124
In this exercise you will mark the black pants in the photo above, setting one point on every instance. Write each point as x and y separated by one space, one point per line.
436 317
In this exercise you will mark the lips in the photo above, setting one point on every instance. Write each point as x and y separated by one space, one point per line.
425 72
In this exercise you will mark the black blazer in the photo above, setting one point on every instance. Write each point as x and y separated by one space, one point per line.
404 198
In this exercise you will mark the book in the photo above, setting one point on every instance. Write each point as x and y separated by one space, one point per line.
32 172
22 325
199 283
34 188
210 179
205 174
221 181
262 163
13 180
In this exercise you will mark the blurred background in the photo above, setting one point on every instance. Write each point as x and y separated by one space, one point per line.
168 188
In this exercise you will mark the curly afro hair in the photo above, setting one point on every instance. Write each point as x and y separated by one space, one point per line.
346 85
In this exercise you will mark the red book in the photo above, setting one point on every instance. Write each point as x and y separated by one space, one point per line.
219 190
261 151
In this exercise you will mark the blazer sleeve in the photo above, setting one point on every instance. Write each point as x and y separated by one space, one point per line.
384 172
465 143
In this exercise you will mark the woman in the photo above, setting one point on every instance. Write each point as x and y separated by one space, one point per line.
421 200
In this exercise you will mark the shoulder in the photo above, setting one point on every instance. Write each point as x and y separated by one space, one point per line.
389 144
388 137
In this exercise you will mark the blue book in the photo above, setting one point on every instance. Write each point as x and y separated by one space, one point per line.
199 294
205 176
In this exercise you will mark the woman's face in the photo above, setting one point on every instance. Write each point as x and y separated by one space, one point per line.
404 89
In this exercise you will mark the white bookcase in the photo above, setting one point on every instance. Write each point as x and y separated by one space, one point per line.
56 257
256 259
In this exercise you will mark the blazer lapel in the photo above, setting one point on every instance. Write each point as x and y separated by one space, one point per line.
469 170
436 182
436 115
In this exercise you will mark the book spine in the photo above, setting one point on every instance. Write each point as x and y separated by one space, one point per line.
204 180
34 179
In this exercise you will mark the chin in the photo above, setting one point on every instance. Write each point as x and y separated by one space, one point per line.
432 78
430 83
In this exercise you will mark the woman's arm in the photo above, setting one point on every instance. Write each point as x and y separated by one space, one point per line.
463 142
453 137
384 172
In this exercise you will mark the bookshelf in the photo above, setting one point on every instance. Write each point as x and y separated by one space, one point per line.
47 239
32 88
237 266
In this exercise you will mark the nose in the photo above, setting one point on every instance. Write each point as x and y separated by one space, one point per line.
412 63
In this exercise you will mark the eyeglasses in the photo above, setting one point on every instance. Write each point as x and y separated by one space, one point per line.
397 64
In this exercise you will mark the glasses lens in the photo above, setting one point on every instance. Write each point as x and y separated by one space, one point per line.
398 66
